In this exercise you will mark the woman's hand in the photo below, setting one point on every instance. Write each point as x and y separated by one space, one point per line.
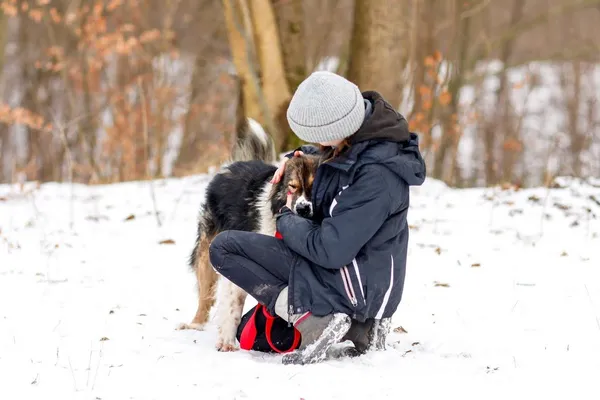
279 173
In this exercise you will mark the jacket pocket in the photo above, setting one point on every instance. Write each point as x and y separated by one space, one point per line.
359 281
353 285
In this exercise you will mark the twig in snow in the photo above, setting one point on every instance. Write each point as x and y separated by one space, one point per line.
89 368
592 303
177 201
98 365
145 129
72 373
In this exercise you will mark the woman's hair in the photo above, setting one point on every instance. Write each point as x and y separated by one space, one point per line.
330 152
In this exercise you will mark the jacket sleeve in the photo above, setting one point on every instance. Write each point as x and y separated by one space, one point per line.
358 213
306 149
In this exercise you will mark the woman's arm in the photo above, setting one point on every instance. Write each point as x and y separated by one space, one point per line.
306 149
359 212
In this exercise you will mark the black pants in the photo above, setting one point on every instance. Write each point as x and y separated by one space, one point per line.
259 264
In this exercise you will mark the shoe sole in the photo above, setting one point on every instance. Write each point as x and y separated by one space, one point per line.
317 351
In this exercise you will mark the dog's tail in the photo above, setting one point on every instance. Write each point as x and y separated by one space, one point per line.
253 143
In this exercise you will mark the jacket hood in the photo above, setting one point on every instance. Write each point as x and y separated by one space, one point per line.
384 138
381 122
407 161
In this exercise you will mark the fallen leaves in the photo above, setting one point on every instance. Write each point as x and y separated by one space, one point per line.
400 330
130 217
167 241
515 211
104 339
475 265
96 218
491 369
563 207
440 284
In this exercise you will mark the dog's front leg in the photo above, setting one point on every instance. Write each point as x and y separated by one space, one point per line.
229 315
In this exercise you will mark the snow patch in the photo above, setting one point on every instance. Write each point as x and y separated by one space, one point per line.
502 298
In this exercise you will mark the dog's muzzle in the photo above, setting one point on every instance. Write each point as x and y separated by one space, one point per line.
303 208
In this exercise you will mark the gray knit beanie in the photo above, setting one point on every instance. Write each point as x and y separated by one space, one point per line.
326 107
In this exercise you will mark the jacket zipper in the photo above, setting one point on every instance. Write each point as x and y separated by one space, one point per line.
290 296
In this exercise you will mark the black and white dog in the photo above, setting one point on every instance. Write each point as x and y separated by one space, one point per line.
241 197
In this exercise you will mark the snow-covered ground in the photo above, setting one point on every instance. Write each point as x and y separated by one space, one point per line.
502 298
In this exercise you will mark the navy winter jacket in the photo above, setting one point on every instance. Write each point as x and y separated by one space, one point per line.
353 253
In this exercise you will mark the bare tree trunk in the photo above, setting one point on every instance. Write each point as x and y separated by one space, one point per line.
573 103
290 22
242 51
40 154
499 123
191 141
377 51
88 123
511 137
5 167
424 47
451 133
268 48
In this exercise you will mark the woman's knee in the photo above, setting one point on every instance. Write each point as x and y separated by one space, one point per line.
218 250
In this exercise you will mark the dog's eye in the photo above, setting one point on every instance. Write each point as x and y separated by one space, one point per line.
293 187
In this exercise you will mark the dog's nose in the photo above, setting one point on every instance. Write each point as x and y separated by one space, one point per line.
304 210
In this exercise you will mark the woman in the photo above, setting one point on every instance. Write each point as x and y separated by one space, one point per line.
348 262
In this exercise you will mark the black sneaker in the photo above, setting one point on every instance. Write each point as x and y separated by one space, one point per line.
360 334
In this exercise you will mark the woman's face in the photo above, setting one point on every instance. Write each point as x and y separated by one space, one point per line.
331 143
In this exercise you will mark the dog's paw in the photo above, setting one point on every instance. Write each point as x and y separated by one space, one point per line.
193 325
226 345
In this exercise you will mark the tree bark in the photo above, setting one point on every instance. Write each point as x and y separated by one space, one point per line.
511 135
191 140
242 52
451 132
274 84
573 104
377 51
290 23
424 47
5 167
